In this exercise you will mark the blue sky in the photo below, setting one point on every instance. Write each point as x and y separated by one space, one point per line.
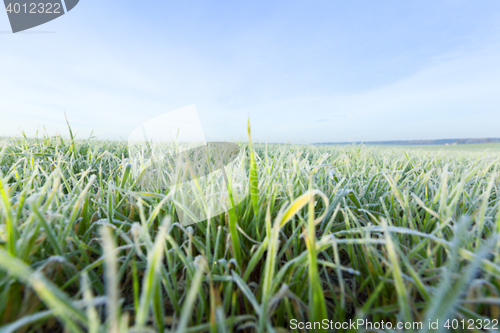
303 71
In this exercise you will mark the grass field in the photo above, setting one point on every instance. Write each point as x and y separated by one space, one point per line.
479 147
328 232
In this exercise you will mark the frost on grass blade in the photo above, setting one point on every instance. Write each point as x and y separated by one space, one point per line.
169 154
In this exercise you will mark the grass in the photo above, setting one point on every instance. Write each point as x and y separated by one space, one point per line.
477 147
326 232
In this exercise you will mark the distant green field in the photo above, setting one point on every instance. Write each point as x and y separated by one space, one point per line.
494 147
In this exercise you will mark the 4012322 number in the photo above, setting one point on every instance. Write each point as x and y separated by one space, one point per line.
34 8
471 324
